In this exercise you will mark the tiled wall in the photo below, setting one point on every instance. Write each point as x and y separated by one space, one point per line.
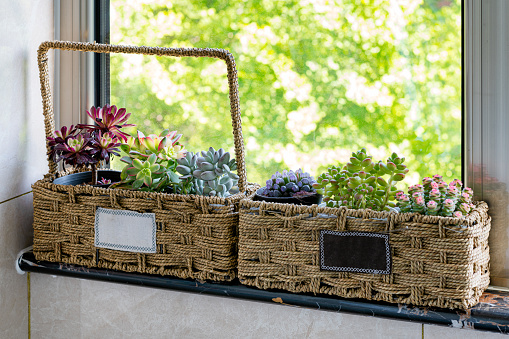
23 25
69 307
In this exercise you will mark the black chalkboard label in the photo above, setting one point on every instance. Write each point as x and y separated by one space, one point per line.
361 252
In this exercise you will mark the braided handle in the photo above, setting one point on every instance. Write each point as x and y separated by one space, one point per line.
42 57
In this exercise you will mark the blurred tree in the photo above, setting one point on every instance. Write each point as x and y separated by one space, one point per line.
318 79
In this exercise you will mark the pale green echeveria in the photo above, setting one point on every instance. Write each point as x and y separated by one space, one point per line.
208 173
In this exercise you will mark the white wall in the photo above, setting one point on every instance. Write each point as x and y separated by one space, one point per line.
24 24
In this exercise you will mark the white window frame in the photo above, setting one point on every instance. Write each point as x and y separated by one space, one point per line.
74 72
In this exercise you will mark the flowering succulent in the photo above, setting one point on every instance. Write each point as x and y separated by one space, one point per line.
88 145
440 198
432 207
210 173
289 184
165 146
361 183
108 119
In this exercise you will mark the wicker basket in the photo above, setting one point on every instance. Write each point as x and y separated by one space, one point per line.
196 235
436 261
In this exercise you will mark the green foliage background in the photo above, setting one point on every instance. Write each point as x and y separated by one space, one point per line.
317 79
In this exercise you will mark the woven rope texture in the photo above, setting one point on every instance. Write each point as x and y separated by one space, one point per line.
436 261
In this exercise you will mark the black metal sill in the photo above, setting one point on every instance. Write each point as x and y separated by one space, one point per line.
491 314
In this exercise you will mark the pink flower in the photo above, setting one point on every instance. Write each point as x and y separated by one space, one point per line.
442 185
420 200
448 203
457 214
432 204
415 195
452 190
456 182
437 178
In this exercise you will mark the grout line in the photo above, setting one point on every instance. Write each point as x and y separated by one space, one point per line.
28 297
1 202
422 331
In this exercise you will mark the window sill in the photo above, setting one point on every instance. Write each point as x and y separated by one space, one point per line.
491 314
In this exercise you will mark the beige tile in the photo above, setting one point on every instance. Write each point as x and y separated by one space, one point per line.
55 307
444 332
16 228
109 310
13 303
15 234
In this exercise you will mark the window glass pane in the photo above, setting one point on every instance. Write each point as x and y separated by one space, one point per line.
317 79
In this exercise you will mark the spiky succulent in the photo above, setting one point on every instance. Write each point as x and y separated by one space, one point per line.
209 173
289 183
108 119
362 182
436 197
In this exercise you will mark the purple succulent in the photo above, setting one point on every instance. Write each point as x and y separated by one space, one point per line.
105 145
75 151
108 119
87 145
456 183
288 183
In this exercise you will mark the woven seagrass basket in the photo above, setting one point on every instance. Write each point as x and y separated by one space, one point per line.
196 236
436 261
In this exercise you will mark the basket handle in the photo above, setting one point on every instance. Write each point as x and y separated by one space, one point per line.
49 124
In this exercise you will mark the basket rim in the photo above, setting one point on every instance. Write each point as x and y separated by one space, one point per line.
476 216
88 189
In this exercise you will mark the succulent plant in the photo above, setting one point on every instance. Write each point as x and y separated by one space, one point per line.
163 150
188 183
165 146
88 145
108 119
289 184
209 173
362 182
104 181
436 197
145 175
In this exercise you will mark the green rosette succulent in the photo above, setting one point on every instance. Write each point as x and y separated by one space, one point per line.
145 175
208 173
362 182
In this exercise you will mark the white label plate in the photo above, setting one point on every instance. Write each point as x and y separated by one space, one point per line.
125 230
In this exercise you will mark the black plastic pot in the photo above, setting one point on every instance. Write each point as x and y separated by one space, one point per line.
304 200
86 177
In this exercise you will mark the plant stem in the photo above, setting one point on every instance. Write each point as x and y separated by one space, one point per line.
388 190
94 174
